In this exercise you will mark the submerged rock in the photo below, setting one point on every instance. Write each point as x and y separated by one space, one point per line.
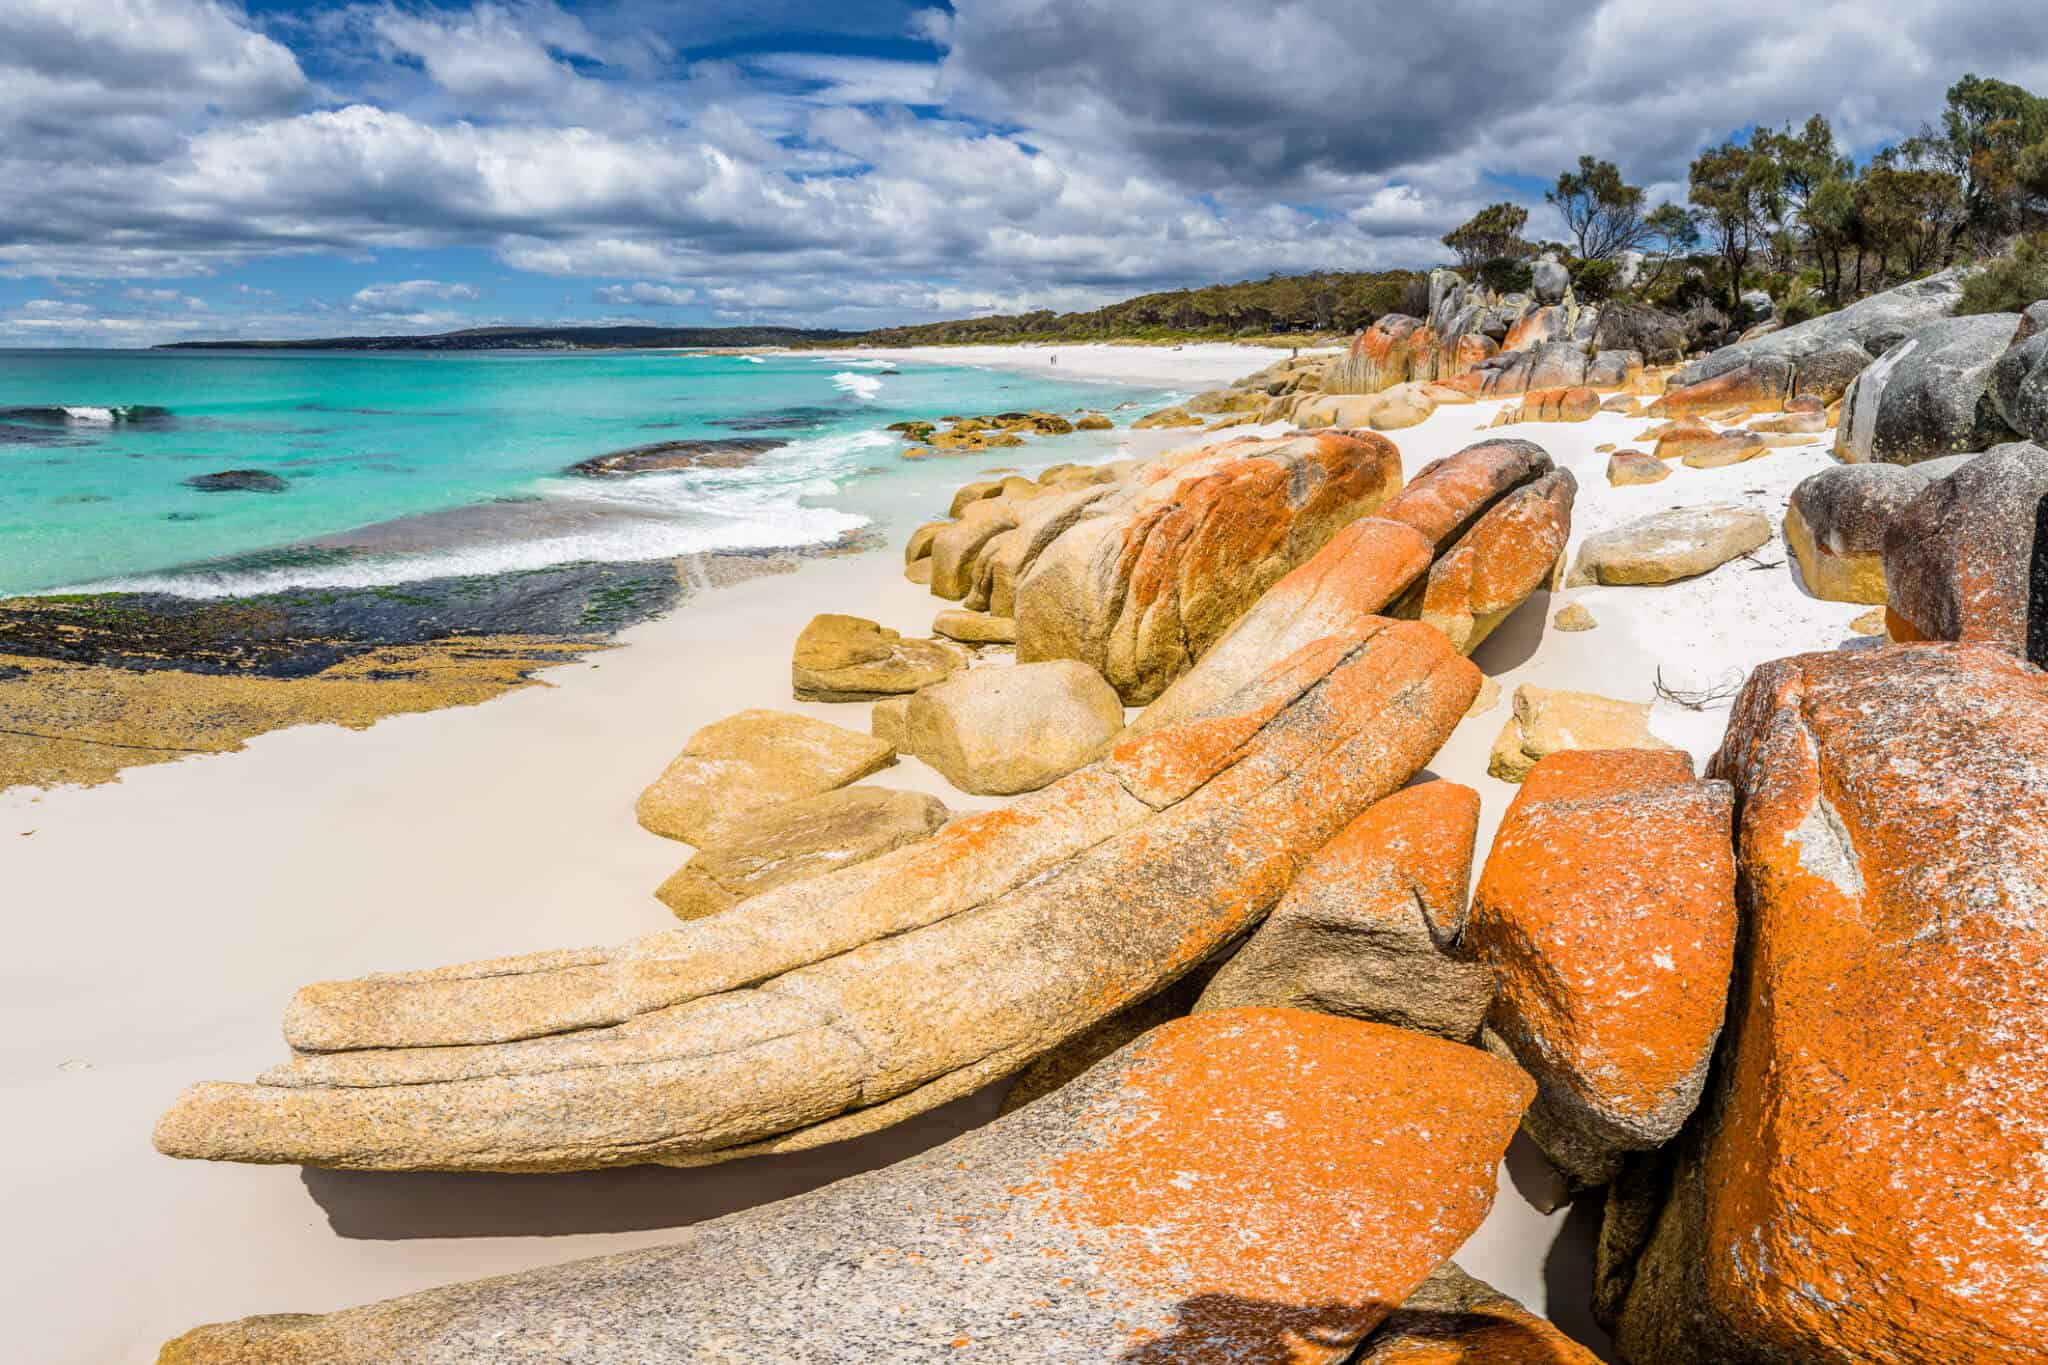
731 452
1226 1183
844 1003
238 481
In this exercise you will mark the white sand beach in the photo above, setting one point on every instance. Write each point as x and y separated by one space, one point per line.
162 921
1191 365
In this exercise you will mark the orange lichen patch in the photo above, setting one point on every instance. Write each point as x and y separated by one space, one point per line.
1281 1169
1508 554
1607 911
1420 840
1471 350
1676 440
1446 497
1534 327
1576 404
1874 1187
1753 388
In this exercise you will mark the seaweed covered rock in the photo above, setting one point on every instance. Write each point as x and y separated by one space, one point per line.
844 1003
1864 1179
1370 927
1607 914
1227 1187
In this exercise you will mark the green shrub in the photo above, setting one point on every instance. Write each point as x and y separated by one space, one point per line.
2009 285
1507 275
1593 281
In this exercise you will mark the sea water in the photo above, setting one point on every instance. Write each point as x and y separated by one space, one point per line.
400 466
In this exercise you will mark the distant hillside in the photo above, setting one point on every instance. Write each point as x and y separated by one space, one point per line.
538 339
1329 301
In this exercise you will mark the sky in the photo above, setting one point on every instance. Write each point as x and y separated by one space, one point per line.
179 169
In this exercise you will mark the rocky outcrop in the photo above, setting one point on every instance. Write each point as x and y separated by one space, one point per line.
1864 1179
730 452
1548 721
1836 522
1559 405
2019 378
850 658
1816 358
238 481
999 731
1394 350
1370 928
956 547
1667 546
1178 1202
1930 395
749 761
1352 580
1457 1320
1148 579
1957 557
1607 914
844 1003
793 840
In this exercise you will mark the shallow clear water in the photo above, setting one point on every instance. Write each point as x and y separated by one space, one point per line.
405 466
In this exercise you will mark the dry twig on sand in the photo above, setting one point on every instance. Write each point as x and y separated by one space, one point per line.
1718 694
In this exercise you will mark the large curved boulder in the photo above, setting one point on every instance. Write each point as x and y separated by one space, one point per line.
844 1003
1370 927
1512 550
1353 579
1607 914
1928 396
1957 558
1817 358
1864 1180
1146 581
1394 350
1224 1188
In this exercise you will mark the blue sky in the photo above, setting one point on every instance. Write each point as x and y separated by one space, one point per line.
194 168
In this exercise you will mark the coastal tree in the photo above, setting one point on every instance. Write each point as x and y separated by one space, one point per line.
1910 215
1669 234
1493 232
1603 214
1735 192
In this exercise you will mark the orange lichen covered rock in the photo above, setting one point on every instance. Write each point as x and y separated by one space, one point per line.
1226 1187
1607 912
1146 582
1457 1320
1560 405
1866 1179
1394 350
845 1002
1509 553
1761 385
1342 590
1368 929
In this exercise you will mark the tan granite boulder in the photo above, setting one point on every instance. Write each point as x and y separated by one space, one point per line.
1454 1319
1225 1183
749 761
1627 468
843 1003
807 837
850 658
999 731
1667 546
1167 417
975 627
955 548
1149 579
1370 927
1864 1180
1550 720
1607 914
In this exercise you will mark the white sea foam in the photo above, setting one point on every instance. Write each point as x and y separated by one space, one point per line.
861 386
753 360
98 417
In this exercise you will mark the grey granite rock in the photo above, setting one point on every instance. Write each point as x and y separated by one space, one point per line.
1930 395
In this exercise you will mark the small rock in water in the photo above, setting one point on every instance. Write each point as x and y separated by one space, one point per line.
237 481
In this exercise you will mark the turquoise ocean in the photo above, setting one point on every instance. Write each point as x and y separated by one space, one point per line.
402 466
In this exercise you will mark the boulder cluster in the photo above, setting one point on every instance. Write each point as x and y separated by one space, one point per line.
1275 1012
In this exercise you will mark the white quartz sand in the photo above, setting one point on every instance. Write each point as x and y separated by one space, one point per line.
1194 365
160 923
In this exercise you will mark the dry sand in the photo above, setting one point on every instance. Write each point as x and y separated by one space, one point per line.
161 922
1191 366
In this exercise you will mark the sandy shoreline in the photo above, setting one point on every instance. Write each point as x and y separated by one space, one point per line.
166 917
1189 366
